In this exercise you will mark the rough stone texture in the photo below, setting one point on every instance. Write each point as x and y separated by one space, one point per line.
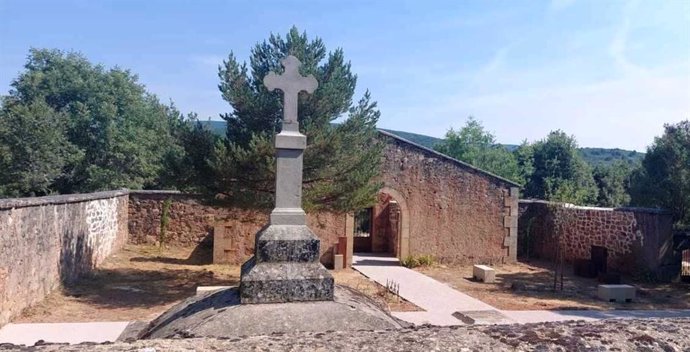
608 335
639 241
285 268
46 241
192 221
220 314
456 212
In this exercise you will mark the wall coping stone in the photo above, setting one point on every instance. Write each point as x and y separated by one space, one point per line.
582 207
11 203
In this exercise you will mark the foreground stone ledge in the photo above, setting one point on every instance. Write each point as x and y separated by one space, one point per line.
608 335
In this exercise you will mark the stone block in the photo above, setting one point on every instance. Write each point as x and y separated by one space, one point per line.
264 282
338 262
287 243
510 221
484 273
204 289
616 293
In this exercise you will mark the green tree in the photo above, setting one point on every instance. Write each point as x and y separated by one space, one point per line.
560 174
120 132
524 155
340 161
664 179
613 182
33 149
476 146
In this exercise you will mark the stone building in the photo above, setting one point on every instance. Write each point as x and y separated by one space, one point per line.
430 204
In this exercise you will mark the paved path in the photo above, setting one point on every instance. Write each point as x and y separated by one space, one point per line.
28 334
440 301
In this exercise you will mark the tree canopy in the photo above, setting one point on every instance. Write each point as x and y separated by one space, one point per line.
476 146
559 172
70 126
664 179
341 160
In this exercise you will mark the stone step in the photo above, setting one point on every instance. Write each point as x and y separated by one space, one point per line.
266 282
287 243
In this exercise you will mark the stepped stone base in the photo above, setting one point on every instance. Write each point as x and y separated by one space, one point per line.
285 268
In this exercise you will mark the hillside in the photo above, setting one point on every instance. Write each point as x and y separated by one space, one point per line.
594 156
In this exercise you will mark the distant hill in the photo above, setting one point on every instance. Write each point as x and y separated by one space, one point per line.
594 156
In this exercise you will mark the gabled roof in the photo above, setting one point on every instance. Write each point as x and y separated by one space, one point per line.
447 158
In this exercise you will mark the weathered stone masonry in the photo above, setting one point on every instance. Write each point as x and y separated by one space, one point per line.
638 240
457 213
47 241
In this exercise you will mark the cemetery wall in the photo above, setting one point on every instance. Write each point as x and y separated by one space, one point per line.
47 241
639 241
457 213
191 222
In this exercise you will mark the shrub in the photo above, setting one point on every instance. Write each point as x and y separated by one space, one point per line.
426 260
410 262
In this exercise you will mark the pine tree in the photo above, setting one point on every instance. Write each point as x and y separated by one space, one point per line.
341 160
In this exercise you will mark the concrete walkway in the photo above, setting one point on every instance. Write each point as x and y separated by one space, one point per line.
29 334
440 301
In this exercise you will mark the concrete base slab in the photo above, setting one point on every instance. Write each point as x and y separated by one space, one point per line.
72 333
204 289
483 317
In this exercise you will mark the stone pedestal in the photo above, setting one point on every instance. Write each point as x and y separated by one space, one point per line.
285 268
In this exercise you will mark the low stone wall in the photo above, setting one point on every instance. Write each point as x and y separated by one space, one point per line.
191 222
639 241
46 241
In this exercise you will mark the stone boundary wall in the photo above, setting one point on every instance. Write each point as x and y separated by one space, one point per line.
639 240
193 221
47 241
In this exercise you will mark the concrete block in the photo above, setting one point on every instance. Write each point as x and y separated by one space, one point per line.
484 273
204 289
616 293
338 262
510 221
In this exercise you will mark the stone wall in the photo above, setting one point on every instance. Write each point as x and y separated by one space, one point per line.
47 241
457 213
638 240
192 221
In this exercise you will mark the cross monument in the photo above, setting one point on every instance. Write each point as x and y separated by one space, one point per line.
285 266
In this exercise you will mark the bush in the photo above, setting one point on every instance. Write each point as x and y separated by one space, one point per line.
410 262
426 260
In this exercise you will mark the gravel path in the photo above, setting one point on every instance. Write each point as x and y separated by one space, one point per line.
606 335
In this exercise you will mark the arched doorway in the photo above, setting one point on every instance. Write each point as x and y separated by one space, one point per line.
383 228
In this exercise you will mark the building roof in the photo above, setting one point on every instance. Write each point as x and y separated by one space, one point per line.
447 158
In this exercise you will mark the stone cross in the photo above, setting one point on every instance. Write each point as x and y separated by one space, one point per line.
285 266
290 144
291 82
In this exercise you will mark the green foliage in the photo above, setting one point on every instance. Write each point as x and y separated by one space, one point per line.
340 160
664 179
559 172
476 146
34 151
613 182
165 221
607 157
107 133
426 260
410 262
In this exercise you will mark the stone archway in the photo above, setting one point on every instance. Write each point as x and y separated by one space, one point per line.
402 249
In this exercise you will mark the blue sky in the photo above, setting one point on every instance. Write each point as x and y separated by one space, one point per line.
609 72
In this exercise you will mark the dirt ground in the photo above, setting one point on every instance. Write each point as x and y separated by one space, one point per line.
140 282
529 286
